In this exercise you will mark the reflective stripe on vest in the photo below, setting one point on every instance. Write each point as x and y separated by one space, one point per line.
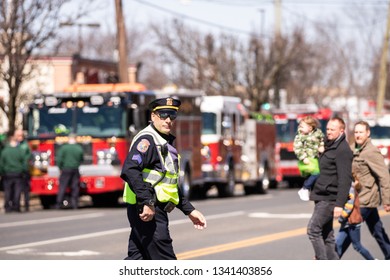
167 188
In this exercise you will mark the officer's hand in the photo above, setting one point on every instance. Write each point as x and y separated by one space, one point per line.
198 219
147 214
387 207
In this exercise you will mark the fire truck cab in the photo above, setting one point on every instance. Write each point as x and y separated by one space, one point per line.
104 117
380 136
236 148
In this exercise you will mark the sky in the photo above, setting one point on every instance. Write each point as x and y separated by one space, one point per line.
239 17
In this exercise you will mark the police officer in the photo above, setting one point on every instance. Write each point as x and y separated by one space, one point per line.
151 173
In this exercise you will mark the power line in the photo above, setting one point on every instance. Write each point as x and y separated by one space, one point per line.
253 3
298 2
185 17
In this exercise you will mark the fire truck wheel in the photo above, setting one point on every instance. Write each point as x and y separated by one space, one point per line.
262 185
227 189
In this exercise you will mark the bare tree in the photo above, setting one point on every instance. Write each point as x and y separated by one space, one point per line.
226 65
201 61
26 28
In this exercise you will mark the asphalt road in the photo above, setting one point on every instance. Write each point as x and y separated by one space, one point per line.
256 227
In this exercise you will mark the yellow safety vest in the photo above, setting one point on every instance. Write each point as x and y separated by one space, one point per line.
165 184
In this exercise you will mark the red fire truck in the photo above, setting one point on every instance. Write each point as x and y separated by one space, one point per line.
105 117
286 120
237 147
380 135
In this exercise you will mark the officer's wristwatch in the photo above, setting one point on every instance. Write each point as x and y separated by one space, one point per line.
150 202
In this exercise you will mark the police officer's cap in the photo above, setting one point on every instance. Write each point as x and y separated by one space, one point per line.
165 104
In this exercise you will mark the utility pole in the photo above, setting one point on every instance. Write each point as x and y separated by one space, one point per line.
383 69
121 42
262 12
278 46
278 18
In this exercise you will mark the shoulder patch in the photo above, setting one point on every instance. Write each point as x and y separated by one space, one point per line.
143 145
137 158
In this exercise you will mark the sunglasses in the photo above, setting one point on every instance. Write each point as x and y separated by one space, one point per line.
164 115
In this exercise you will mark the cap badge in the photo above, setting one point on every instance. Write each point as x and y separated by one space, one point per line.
169 101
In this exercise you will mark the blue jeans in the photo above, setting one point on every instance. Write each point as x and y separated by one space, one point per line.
320 231
374 223
351 234
309 182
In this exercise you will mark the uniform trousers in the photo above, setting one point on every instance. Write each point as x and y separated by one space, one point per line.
13 185
149 240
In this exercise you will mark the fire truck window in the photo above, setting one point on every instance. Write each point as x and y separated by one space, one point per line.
113 122
380 132
51 121
100 121
323 125
286 130
87 122
209 123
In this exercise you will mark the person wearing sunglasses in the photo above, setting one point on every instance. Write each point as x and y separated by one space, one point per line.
151 175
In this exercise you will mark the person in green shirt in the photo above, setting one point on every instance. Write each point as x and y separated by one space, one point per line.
26 151
12 167
3 137
69 158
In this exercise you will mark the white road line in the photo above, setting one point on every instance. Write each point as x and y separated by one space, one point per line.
211 217
72 254
280 216
52 220
108 232
65 239
29 251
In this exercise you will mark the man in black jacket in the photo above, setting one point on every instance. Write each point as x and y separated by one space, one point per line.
331 189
